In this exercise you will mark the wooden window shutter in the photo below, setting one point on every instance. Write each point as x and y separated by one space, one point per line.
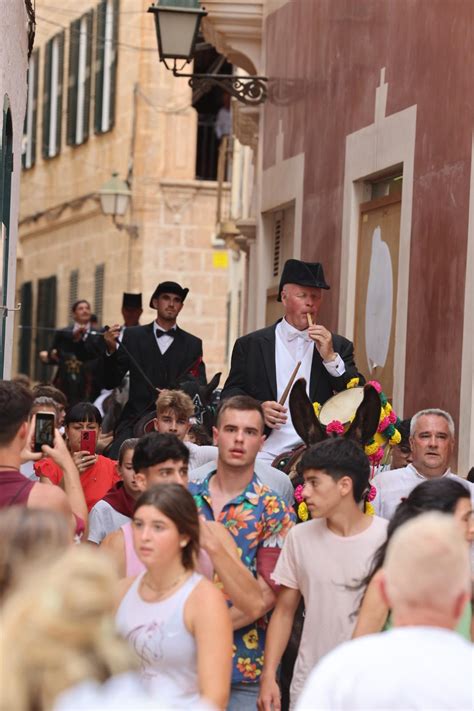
45 323
113 66
26 322
73 76
99 291
28 157
277 243
59 102
35 108
87 87
73 288
46 99
99 66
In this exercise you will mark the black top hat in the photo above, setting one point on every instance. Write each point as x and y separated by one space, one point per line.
302 273
169 287
131 301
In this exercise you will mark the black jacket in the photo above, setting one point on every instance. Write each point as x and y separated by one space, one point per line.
253 368
163 371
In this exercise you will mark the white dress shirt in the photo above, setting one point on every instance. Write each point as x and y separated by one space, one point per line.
292 346
297 343
164 342
395 484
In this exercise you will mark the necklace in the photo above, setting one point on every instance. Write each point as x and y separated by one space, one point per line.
164 591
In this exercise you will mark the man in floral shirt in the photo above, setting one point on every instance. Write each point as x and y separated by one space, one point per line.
257 518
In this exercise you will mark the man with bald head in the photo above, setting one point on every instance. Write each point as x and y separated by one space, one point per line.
263 361
421 663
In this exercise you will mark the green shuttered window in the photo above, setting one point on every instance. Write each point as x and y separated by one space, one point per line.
45 322
53 96
79 79
106 65
26 323
28 156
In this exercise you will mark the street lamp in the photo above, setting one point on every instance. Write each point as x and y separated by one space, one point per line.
115 198
177 26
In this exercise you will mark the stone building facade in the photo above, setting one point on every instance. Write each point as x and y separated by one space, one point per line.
100 102
363 159
15 48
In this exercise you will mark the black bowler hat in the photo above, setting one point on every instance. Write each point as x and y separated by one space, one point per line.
131 301
169 287
303 274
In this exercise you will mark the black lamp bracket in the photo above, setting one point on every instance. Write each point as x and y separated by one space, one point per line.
251 91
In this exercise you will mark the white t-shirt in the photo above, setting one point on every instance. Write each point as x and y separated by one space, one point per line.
394 484
424 668
326 569
104 519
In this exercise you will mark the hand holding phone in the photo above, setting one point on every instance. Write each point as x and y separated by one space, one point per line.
88 441
44 430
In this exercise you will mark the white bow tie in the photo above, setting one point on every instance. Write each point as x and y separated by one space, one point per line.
298 334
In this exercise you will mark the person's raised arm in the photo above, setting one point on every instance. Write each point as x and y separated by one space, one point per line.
115 360
238 582
207 618
59 453
240 618
278 635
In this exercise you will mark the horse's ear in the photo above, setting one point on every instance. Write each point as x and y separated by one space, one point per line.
211 386
304 419
367 416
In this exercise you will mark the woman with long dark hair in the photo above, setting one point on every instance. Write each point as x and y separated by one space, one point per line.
445 495
176 621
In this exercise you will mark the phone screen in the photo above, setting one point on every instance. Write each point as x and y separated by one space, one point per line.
44 430
88 441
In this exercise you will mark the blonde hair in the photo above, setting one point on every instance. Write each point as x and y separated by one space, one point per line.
58 631
27 535
175 400
427 563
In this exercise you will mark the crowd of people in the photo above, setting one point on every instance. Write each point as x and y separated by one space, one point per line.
153 557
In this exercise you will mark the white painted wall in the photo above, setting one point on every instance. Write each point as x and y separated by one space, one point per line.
13 69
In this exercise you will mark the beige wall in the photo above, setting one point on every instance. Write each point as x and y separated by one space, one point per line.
174 214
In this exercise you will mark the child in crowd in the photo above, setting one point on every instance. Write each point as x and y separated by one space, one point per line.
116 508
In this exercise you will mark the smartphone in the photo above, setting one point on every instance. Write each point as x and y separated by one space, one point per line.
88 441
44 430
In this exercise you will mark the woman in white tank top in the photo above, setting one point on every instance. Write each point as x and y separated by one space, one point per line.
176 621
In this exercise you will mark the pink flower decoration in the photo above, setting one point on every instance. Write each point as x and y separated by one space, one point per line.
372 493
336 427
376 458
299 493
383 424
375 384
392 417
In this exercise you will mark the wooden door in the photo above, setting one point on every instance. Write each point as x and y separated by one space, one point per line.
376 290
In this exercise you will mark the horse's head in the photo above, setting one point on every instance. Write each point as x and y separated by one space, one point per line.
362 428
205 399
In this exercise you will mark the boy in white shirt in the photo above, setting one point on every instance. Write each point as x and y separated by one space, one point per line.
324 560
421 663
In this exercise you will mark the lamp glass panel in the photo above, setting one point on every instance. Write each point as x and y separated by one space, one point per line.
121 204
107 202
178 31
